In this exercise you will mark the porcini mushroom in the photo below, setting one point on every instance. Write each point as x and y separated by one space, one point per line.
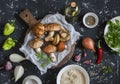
36 44
56 39
50 49
38 29
65 36
52 27
50 36
61 46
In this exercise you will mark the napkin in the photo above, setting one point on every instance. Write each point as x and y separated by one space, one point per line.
30 53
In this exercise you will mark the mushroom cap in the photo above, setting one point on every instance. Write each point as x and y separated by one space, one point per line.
36 43
49 48
38 29
61 46
52 27
65 35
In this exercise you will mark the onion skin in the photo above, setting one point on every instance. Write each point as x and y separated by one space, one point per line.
88 43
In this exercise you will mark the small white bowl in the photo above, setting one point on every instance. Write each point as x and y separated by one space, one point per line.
32 79
84 72
95 17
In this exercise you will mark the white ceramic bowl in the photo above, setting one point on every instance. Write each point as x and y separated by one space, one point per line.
96 19
84 72
32 79
106 31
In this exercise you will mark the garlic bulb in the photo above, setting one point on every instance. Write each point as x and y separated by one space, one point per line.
18 72
16 57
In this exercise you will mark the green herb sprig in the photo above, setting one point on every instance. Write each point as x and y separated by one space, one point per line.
106 69
43 58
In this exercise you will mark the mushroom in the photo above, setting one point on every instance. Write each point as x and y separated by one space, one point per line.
52 57
50 36
50 49
61 46
36 44
65 36
56 39
52 27
38 29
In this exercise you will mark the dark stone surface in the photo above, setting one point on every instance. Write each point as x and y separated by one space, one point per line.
105 9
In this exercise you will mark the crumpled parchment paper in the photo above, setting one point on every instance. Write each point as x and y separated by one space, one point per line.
30 53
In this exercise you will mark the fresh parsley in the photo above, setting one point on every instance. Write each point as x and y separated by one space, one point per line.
112 37
43 58
106 69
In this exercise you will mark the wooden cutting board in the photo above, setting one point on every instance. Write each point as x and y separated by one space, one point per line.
28 18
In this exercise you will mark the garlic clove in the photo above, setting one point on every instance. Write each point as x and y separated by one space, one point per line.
18 72
87 62
8 66
16 58
77 58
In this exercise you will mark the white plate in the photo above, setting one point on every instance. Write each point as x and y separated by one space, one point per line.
84 72
106 31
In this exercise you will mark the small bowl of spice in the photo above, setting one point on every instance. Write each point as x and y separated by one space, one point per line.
90 20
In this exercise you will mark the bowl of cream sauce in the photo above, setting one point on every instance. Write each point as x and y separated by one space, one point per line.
73 74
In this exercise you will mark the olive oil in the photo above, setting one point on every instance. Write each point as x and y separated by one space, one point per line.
72 11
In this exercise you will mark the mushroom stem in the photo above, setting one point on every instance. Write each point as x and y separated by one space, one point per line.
50 36
38 50
65 46
53 57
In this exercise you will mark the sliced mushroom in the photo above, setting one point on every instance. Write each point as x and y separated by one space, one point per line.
56 39
36 43
52 27
65 36
50 36
38 30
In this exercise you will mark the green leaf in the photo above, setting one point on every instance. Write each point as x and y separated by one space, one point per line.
106 69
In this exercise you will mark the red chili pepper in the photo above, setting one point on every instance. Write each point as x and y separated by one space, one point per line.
99 58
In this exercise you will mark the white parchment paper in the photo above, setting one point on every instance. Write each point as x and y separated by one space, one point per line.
30 53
